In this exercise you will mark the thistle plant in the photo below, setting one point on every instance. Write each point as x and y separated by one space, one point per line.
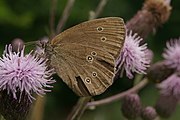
23 76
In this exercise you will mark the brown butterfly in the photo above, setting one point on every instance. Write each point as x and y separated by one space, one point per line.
84 55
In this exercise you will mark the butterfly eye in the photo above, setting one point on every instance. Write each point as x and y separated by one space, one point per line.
99 29
94 74
93 53
88 80
89 58
103 38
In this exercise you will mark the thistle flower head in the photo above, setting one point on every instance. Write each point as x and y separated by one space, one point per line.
172 54
171 86
133 56
21 73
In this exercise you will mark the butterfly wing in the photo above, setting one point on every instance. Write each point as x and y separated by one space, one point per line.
84 55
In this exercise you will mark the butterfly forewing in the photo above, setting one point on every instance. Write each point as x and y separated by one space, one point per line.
84 55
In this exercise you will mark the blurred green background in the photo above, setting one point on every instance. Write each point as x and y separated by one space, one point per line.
29 20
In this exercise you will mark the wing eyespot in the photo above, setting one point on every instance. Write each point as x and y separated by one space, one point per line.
100 29
103 39
94 74
88 80
89 58
93 53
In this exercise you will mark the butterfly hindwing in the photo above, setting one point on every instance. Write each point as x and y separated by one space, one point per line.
75 63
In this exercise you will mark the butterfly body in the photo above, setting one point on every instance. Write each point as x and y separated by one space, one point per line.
84 55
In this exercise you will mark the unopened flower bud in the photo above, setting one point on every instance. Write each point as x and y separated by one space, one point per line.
148 113
17 44
131 106
166 105
153 14
159 72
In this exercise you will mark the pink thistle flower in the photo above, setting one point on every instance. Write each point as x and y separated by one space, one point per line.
172 54
171 86
21 73
133 56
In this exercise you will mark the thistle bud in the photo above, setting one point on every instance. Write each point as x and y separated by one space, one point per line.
153 14
165 106
131 106
17 44
159 72
148 113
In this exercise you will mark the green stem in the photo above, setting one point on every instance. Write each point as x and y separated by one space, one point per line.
1 117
